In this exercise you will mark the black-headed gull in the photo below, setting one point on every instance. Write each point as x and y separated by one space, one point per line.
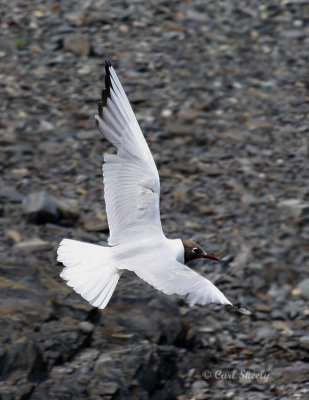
136 242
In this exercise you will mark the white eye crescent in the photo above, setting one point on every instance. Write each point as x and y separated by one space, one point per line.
195 250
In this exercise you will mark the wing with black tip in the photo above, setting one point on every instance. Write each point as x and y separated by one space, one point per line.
131 180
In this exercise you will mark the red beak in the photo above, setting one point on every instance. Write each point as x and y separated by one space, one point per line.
211 257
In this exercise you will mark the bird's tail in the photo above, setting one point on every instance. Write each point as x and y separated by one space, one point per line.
89 269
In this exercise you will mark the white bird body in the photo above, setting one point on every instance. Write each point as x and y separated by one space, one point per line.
177 249
136 242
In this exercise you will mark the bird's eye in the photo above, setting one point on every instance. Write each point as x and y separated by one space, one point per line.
195 250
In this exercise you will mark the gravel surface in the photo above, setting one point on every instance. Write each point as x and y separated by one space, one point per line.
220 89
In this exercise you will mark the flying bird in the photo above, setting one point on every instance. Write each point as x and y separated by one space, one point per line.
136 242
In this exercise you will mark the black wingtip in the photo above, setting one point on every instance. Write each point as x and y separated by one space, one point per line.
104 96
108 82
106 92
100 109
240 309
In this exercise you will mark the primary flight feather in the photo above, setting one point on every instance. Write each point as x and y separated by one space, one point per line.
136 242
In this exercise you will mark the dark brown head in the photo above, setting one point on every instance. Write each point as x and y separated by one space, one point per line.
194 251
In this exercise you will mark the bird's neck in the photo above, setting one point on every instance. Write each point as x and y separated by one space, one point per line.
177 249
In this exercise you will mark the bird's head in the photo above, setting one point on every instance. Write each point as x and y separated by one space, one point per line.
194 251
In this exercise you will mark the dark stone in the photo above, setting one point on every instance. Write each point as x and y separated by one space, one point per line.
40 207
25 356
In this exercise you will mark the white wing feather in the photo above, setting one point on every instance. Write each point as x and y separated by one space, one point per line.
131 180
172 277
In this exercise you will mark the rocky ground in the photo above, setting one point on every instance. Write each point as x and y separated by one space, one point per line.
221 93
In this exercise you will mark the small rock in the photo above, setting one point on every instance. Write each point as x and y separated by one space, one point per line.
178 129
266 333
166 113
78 44
80 190
303 287
200 390
13 235
86 326
292 33
102 361
294 207
254 266
67 207
46 126
32 245
95 224
40 207
278 314
304 342
86 135
214 171
188 114
293 308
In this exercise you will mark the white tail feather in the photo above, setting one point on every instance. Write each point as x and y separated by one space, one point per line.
89 270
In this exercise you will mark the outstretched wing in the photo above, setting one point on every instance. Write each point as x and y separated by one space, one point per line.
172 277
131 180
158 267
